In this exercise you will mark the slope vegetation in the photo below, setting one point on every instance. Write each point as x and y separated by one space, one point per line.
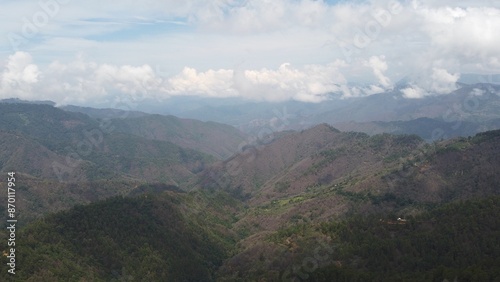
314 205
64 158
212 138
289 192
46 142
133 239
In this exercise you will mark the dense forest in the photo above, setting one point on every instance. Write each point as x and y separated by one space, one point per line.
141 238
312 205
146 238
457 241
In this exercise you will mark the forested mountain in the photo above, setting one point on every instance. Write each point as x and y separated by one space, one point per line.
213 138
250 141
455 242
430 129
312 205
65 158
83 148
470 103
290 192
141 238
323 157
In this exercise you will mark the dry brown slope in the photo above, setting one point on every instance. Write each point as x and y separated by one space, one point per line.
386 174
320 174
300 159
216 139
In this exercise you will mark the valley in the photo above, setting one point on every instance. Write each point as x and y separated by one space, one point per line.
250 141
103 197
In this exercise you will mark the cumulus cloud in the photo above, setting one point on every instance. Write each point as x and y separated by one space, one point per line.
287 47
76 82
81 81
21 69
310 84
379 66
212 83
373 89
443 82
465 37
19 76
414 92
471 32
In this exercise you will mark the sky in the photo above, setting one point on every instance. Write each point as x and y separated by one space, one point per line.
100 52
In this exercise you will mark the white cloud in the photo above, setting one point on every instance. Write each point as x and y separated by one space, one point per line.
472 32
20 69
373 89
477 92
211 83
19 76
379 66
81 81
76 82
414 92
443 82
231 48
309 84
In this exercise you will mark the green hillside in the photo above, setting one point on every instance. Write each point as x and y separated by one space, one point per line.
64 158
132 239
47 142
346 175
45 124
457 241
428 129
316 205
216 139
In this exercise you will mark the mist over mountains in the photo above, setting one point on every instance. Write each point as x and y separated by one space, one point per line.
107 194
470 109
237 141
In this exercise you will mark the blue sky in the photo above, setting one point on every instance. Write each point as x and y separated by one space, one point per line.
77 52
136 29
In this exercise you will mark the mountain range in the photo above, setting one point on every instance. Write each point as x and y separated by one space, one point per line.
475 103
112 195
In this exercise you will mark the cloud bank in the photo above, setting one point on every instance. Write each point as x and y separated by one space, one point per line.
262 50
81 81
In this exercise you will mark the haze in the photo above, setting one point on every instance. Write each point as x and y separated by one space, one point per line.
97 53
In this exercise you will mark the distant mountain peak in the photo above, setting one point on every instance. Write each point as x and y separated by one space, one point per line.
20 101
324 127
474 78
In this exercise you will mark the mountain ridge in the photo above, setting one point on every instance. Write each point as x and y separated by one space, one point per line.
252 215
